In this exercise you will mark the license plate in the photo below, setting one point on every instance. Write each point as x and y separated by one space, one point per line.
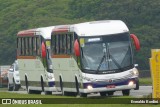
111 86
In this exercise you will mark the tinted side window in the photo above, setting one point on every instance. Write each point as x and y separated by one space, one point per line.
62 43
19 47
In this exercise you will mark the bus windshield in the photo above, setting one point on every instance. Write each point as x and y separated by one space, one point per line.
106 54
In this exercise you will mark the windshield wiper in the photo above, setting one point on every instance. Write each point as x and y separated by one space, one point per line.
104 56
115 61
109 56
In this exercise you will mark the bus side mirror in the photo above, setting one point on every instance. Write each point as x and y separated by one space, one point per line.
76 48
43 50
136 41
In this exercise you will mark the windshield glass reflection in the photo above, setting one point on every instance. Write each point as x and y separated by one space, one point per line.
106 53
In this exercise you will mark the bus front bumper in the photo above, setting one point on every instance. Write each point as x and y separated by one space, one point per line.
105 89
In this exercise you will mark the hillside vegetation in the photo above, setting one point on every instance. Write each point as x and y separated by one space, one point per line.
141 16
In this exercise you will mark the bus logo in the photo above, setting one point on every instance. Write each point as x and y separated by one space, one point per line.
110 80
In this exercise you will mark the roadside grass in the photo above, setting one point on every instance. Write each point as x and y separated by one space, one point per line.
97 99
145 81
17 95
3 89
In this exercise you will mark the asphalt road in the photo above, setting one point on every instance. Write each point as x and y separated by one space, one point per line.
143 91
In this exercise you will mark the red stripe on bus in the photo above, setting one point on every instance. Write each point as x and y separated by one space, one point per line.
30 32
26 57
60 30
61 56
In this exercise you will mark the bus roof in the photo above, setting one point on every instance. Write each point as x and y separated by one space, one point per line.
43 31
29 32
103 27
61 28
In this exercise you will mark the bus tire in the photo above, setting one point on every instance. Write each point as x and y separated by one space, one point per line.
137 85
83 94
103 94
126 92
35 92
48 92
110 93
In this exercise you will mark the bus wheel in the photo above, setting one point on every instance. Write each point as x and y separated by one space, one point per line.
125 92
110 93
103 94
35 92
83 94
48 92
30 91
137 85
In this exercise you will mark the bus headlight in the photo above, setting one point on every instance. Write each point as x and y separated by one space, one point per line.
130 83
89 87
135 72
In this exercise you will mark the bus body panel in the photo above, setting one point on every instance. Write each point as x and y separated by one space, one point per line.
30 68
65 66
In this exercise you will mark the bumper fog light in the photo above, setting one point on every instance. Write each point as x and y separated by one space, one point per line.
130 83
89 87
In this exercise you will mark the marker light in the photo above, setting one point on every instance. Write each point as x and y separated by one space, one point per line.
89 87
130 83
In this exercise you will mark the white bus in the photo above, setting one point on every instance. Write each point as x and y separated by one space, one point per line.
94 57
34 60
